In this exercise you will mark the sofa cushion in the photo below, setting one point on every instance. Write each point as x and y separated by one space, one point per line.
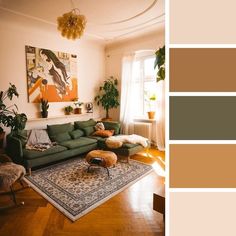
112 126
31 154
84 124
61 128
76 133
61 137
80 142
88 130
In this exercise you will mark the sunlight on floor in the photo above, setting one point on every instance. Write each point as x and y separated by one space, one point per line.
158 169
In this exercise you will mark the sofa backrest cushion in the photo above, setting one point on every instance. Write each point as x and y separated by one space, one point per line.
87 126
61 128
59 133
77 133
112 126
84 124
88 130
61 137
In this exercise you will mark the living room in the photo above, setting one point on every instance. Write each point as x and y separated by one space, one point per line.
117 35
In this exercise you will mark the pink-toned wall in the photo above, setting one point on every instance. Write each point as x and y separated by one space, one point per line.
116 51
17 31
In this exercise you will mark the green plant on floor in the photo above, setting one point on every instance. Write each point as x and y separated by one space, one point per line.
160 63
68 109
9 116
44 107
108 95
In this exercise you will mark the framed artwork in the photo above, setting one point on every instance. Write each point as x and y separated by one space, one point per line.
51 75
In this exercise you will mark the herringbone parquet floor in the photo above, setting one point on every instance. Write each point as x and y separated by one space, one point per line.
127 214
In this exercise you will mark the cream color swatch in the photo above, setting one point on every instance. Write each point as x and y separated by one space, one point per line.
202 214
202 21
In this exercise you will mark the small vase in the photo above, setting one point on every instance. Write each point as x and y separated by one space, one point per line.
78 110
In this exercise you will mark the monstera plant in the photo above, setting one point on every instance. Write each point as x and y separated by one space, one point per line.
9 116
160 63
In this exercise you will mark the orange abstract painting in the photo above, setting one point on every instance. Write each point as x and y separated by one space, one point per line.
51 75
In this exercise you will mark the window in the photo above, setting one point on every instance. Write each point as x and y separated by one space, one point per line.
145 85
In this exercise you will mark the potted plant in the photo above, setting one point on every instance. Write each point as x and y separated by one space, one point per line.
78 108
160 63
108 95
68 110
8 115
44 108
152 106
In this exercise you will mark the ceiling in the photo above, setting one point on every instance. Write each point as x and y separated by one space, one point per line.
109 20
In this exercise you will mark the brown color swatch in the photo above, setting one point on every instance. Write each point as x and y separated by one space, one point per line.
202 118
203 69
202 166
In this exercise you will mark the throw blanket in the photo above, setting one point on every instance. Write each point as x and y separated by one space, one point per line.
117 141
38 140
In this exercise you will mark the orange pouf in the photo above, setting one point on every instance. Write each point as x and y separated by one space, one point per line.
108 158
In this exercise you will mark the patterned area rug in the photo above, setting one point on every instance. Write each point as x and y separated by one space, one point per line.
74 191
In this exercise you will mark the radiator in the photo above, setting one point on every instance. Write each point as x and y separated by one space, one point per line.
143 129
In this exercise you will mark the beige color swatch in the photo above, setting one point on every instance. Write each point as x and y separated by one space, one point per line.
202 21
202 214
202 69
202 166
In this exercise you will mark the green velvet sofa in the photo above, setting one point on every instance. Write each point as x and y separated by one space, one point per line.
71 140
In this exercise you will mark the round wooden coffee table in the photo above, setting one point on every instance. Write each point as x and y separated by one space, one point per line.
100 158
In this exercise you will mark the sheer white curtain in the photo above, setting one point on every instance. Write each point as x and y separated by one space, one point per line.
127 92
160 116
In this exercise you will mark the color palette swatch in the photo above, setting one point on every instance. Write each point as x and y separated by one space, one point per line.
202 22
202 69
202 118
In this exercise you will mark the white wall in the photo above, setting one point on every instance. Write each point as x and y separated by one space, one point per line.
115 52
17 31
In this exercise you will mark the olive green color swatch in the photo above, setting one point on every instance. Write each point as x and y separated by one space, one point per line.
202 118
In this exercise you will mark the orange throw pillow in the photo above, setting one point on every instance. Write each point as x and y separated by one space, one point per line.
104 133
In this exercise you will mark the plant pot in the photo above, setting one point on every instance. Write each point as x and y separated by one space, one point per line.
67 112
78 110
2 136
44 114
151 115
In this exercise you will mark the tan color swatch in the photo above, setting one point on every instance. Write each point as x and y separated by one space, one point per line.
202 214
202 21
202 166
202 69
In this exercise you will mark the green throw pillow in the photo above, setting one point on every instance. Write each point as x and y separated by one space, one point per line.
61 137
112 125
61 128
84 124
76 133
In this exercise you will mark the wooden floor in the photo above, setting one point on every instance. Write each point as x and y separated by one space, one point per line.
128 213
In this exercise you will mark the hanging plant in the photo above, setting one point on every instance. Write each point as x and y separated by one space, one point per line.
160 63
